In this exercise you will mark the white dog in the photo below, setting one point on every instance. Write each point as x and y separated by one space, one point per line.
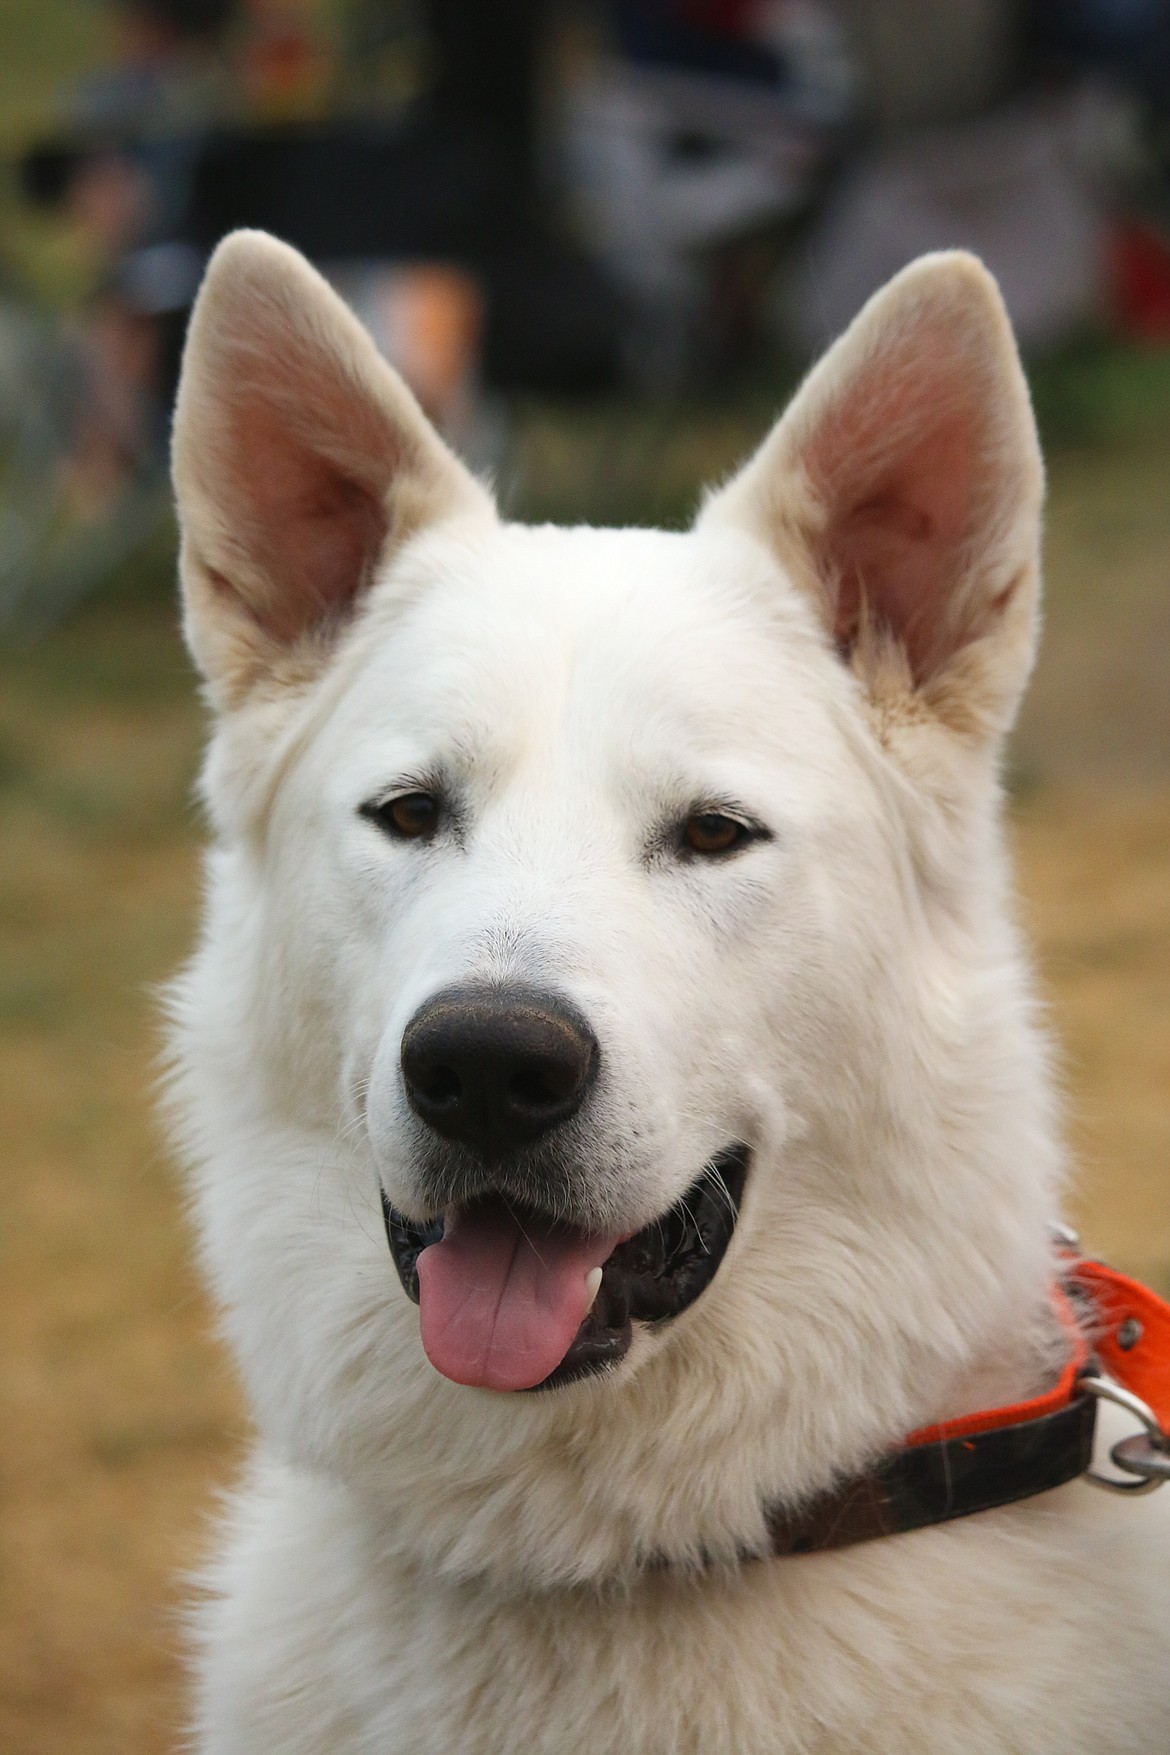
610 985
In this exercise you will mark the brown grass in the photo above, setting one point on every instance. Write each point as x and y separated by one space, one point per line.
118 1414
1094 870
116 1411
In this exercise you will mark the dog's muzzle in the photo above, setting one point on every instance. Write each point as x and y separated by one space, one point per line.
520 1284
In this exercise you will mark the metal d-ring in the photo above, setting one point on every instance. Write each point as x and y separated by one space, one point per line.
1145 1456
1141 1456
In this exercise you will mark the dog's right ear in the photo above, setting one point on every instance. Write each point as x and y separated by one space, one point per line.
301 462
902 492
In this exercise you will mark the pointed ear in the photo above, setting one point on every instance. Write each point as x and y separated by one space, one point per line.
300 462
902 491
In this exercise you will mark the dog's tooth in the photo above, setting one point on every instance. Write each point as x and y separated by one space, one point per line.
592 1288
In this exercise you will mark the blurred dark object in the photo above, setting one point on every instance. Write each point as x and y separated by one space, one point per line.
194 21
486 64
719 39
1127 39
44 174
455 181
345 193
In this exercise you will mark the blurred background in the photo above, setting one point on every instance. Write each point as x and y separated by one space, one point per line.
602 239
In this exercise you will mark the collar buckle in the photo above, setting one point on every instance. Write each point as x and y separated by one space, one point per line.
1144 1456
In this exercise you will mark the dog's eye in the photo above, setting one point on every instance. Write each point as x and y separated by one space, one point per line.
709 832
412 816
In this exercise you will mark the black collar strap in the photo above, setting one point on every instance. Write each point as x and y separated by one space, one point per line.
944 1479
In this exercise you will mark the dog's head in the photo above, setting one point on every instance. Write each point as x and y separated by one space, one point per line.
608 987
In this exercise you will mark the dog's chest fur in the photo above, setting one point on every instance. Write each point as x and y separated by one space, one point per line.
998 1636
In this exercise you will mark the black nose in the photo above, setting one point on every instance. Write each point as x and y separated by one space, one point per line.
496 1067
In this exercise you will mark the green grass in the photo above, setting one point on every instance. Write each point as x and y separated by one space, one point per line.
1101 392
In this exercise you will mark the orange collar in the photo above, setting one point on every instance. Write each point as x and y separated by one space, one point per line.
1128 1334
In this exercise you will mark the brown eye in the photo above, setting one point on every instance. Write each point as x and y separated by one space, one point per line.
709 832
410 817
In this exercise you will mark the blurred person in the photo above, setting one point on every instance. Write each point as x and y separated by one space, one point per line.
435 221
123 182
453 181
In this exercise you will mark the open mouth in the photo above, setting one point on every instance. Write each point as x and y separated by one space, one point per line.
509 1299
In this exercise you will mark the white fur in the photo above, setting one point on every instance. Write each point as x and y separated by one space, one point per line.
418 1567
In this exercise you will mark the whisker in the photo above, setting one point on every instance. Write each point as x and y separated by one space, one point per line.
713 1174
523 1232
694 1225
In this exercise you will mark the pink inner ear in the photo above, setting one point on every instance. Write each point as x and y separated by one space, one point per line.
899 466
310 513
321 528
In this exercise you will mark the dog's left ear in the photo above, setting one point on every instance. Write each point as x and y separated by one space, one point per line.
902 491
301 463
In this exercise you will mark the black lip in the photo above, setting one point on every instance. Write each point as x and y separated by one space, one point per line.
653 1276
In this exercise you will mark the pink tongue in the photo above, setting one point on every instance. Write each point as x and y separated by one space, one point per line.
500 1305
